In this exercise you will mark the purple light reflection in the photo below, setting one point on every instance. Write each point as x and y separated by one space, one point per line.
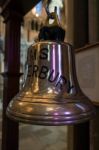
53 55
56 114
67 113
81 107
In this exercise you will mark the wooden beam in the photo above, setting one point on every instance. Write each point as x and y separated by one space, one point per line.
10 133
20 6
81 33
81 136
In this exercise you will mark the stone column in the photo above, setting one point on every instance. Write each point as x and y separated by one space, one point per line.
11 75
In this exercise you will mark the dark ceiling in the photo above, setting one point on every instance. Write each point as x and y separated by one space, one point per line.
22 6
1 2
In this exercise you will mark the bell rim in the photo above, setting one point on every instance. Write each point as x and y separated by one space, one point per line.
49 120
72 121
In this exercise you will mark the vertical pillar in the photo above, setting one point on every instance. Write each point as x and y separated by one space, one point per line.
80 132
11 75
80 23
93 21
95 130
69 10
81 136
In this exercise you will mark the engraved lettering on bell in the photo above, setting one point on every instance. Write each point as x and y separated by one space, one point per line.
47 71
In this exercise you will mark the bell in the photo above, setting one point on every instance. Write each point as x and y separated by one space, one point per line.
51 94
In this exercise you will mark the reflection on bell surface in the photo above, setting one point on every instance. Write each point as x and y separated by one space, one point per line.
51 95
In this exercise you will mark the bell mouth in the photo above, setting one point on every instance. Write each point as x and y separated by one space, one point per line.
48 114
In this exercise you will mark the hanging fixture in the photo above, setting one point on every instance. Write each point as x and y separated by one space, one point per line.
51 94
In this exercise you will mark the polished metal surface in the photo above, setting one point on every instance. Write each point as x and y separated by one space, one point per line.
51 94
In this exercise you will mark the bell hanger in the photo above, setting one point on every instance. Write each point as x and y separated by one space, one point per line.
53 16
52 31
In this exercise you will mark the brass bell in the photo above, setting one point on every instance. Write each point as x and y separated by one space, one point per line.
51 94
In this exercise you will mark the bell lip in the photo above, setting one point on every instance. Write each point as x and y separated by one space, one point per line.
44 120
50 123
